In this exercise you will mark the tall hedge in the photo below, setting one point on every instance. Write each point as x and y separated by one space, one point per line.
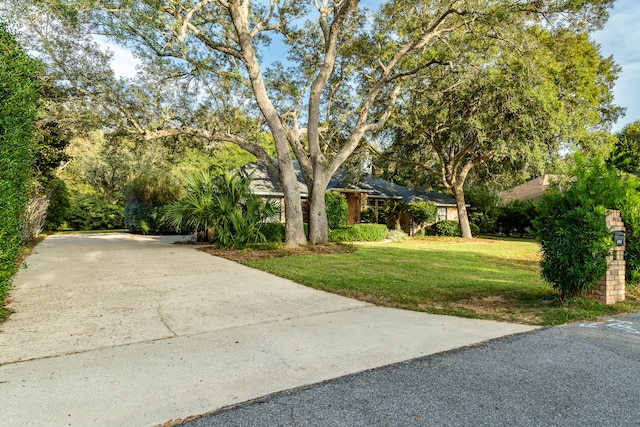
18 104
337 209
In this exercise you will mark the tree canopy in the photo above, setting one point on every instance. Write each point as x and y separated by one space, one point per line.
515 105
626 152
339 76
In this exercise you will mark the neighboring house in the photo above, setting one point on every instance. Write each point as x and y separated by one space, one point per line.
530 190
363 193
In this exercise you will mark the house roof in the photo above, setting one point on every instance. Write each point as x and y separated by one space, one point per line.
530 190
266 184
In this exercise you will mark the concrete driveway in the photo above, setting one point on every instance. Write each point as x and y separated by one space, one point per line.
122 330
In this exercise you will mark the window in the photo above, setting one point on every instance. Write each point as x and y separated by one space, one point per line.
442 214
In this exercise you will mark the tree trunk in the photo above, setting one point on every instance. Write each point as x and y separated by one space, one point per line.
294 223
318 225
463 218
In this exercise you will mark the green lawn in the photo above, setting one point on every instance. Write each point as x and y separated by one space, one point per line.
491 279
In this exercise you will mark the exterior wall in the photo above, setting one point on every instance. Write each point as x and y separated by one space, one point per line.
354 202
452 213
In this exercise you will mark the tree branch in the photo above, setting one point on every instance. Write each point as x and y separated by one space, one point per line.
241 142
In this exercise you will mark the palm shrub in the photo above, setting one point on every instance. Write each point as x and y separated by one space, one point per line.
195 211
224 205
393 211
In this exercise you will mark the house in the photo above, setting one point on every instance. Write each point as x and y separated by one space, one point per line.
530 190
361 192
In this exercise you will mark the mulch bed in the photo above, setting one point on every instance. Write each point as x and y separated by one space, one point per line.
249 254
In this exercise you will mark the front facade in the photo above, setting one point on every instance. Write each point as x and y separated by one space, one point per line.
361 193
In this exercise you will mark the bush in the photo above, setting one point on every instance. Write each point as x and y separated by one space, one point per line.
58 204
146 197
93 212
225 205
448 228
423 212
274 232
369 216
572 231
517 217
18 112
484 208
337 209
359 233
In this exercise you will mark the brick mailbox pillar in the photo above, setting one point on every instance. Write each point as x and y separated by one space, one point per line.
611 288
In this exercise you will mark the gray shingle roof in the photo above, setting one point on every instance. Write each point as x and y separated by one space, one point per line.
266 184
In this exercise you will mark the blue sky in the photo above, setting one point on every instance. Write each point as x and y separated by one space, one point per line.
620 38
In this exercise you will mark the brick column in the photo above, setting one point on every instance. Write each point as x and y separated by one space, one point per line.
611 288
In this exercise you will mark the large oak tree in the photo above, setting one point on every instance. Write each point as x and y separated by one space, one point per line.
518 105
341 72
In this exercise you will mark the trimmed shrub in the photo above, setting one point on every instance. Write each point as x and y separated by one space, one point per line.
448 228
359 233
337 209
575 242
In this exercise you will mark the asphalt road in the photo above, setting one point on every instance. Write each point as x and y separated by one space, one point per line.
583 374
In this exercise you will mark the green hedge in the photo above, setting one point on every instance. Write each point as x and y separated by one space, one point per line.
337 209
452 228
18 103
359 233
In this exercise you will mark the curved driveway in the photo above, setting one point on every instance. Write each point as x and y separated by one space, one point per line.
115 330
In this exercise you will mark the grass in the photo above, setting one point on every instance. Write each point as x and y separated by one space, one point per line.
489 279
